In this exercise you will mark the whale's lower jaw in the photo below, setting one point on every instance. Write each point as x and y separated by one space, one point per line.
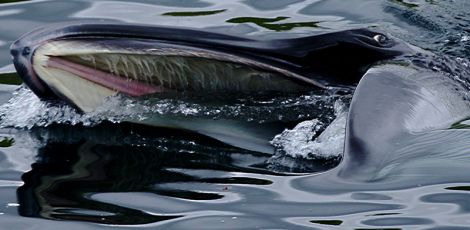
85 73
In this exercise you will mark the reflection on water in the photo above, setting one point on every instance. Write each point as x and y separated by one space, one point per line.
192 14
269 23
327 222
10 1
406 3
74 164
122 174
133 175
70 170
10 79
182 3
6 142
264 5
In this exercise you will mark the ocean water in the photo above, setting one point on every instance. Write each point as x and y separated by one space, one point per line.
61 169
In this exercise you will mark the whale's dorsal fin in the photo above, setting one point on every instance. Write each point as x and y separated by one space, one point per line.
391 105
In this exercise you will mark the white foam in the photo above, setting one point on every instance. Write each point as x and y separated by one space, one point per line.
300 141
465 38
25 110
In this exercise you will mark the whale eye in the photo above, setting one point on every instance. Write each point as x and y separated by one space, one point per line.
26 51
381 39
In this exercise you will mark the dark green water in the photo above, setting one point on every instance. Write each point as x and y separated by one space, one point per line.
92 173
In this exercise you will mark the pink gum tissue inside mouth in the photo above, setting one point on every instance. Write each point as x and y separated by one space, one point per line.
132 88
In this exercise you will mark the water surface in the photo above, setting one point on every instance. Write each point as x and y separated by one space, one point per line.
92 171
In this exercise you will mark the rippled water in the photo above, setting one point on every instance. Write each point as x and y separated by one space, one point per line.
98 171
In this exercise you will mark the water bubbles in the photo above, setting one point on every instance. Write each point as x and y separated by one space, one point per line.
25 110
184 109
456 44
12 205
293 141
465 38
314 139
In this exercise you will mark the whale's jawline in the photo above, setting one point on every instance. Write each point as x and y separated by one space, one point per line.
338 58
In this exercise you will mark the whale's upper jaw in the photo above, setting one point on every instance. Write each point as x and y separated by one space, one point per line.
293 63
21 56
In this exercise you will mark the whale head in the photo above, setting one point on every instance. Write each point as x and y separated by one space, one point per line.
83 63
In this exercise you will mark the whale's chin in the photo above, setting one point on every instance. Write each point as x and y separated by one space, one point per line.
85 72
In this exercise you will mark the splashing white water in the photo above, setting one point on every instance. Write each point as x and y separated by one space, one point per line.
25 110
300 142
25 101
465 38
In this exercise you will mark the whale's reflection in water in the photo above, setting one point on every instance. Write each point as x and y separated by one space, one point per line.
77 167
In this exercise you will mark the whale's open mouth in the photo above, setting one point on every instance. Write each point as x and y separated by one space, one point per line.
86 71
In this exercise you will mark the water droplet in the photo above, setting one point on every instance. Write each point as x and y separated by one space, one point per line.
13 205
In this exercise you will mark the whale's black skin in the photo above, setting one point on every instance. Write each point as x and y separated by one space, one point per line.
338 58
330 59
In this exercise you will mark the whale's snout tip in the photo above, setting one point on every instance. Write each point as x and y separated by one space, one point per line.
21 56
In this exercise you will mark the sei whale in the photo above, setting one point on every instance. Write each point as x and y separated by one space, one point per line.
85 62
402 128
